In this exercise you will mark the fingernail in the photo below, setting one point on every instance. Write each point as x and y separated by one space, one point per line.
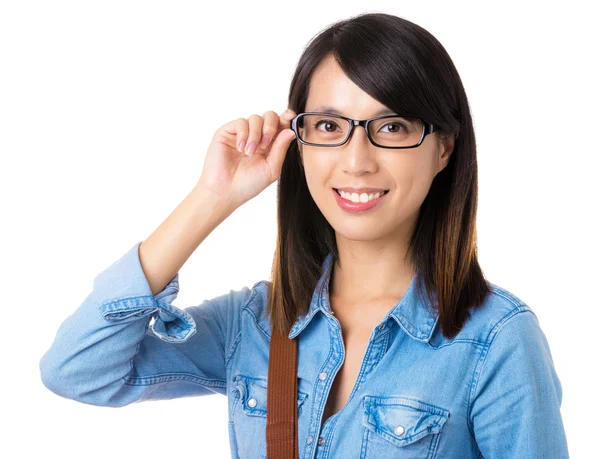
264 141
250 148
241 146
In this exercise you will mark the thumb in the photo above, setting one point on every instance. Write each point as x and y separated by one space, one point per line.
279 150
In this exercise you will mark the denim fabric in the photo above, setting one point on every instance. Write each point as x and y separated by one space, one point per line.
492 391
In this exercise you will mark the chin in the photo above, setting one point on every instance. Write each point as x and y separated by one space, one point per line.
359 231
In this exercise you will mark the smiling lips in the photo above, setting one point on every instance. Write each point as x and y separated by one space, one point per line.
358 203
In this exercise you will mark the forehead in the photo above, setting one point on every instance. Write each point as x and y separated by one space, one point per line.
330 88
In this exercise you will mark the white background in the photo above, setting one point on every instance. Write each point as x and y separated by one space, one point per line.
107 109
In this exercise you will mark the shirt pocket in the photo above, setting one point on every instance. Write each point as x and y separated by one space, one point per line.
401 427
249 414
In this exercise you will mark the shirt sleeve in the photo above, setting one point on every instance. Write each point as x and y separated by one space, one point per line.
124 345
515 410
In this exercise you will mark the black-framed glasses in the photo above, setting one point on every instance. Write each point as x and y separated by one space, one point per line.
387 131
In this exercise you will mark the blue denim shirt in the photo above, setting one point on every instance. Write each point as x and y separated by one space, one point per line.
491 391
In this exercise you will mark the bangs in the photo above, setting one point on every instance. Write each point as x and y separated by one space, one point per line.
388 65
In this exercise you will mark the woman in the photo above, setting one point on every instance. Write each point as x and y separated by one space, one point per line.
404 348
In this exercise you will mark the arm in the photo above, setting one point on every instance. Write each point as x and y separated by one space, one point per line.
109 353
515 406
166 250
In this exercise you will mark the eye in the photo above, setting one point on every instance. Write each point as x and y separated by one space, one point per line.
395 124
327 122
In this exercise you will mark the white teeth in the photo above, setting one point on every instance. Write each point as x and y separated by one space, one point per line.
363 197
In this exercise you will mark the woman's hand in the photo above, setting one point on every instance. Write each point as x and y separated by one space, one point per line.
235 175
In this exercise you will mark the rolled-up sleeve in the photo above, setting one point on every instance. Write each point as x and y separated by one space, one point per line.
515 407
124 345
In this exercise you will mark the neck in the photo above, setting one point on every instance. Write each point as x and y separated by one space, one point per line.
370 275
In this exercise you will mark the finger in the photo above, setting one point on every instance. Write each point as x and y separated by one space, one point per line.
278 152
256 124
240 127
270 128
285 118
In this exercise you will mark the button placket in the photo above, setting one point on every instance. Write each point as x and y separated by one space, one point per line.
336 359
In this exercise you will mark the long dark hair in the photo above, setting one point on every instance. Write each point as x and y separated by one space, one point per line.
404 67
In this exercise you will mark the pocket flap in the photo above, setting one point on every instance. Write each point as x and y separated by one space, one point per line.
253 395
402 420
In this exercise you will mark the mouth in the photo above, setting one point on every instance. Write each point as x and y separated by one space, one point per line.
370 195
361 203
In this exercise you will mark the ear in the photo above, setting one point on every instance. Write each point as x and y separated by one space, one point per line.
446 144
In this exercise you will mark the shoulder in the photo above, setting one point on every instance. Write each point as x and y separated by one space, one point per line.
260 295
498 308
256 305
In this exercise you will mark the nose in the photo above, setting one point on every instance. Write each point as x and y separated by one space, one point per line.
357 157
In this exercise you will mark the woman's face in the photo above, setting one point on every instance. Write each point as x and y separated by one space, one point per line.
407 173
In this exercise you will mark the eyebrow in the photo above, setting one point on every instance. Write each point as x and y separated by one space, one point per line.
335 111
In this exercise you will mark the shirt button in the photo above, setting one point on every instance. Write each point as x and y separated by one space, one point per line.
382 326
252 402
399 430
323 376
309 440
321 441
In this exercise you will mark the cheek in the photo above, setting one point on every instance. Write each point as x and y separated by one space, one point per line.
410 178
413 182
317 172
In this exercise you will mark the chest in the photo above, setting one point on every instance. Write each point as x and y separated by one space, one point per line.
346 377
355 334
381 386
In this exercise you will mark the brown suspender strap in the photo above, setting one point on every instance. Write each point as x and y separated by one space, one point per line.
282 398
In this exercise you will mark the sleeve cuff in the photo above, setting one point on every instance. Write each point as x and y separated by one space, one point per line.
126 294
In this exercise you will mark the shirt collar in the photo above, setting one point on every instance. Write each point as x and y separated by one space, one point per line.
413 312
